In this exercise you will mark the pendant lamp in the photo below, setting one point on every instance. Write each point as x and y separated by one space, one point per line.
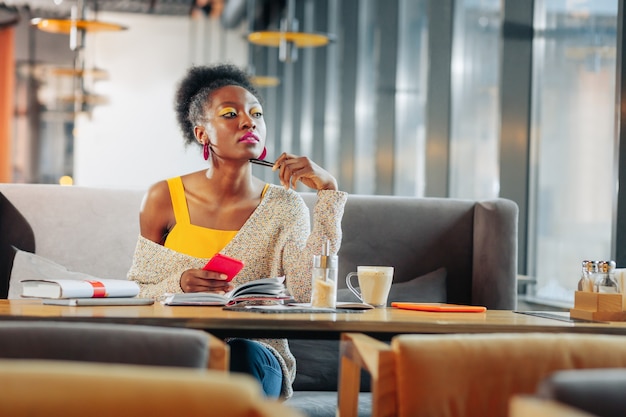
288 39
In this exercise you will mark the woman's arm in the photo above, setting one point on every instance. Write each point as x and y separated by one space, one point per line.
327 215
302 245
156 216
292 168
158 269
156 219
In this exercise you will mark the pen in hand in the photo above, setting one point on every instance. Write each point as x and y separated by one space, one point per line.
261 162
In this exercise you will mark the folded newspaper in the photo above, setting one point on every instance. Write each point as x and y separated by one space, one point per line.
264 289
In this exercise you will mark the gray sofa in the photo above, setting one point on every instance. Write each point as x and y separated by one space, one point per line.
107 343
599 392
458 251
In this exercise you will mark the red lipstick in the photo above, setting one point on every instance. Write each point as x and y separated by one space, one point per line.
249 138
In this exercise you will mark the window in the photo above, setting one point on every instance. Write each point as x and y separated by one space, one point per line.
572 141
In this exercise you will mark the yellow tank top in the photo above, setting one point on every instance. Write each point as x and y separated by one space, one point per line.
187 238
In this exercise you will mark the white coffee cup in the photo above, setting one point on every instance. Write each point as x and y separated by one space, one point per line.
374 284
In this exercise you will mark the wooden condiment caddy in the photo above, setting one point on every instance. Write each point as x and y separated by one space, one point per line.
598 306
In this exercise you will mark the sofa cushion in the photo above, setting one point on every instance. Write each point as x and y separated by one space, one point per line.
318 360
87 229
16 232
428 288
28 265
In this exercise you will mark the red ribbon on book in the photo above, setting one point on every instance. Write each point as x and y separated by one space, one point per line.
98 289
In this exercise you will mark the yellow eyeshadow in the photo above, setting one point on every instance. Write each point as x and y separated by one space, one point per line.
256 110
226 110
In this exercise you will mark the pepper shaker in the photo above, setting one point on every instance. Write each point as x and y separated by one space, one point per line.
606 283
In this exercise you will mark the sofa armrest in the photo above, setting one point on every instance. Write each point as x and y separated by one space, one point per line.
596 391
359 351
113 343
494 263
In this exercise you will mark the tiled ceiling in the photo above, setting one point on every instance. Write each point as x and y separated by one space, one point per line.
231 12
62 8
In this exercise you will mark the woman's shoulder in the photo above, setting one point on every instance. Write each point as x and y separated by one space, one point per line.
157 193
281 193
285 198
161 190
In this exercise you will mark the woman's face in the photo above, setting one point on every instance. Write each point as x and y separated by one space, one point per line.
235 128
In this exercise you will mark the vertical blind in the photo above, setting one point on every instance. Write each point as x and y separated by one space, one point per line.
357 105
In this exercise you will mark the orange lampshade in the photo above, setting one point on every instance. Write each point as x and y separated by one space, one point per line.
299 39
94 73
65 25
265 81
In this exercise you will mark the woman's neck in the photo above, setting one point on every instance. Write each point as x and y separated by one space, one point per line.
226 182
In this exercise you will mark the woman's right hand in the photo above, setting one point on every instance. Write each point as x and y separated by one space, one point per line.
293 168
200 280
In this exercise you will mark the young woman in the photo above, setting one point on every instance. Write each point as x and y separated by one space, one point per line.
186 220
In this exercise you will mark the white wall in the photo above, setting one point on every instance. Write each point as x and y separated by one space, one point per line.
134 141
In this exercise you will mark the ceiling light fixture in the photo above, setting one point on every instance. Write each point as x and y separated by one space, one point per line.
66 26
288 39
265 81
77 27
94 73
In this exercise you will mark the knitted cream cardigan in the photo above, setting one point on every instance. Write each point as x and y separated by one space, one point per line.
276 240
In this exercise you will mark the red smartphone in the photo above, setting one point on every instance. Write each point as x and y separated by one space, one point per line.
224 265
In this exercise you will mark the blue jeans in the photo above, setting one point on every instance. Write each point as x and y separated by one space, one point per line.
253 358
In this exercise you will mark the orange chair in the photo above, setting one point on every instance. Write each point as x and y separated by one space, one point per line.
78 389
463 375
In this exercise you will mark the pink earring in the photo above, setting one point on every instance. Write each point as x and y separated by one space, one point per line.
263 154
206 151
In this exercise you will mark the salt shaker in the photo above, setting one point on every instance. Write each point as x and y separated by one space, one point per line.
324 280
585 283
606 283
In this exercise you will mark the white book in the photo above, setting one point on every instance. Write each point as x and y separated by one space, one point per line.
73 288
265 289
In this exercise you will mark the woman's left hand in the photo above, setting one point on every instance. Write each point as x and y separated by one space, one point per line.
293 168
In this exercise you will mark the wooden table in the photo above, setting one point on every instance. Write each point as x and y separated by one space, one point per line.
380 323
